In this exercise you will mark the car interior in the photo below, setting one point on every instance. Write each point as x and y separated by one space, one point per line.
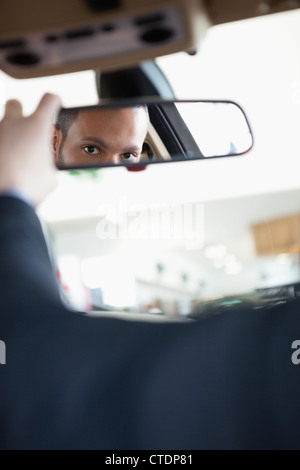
136 236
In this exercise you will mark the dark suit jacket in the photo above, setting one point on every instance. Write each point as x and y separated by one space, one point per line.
75 382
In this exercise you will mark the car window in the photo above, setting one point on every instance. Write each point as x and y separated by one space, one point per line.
189 239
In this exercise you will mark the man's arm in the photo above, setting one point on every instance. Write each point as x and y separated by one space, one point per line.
27 175
25 264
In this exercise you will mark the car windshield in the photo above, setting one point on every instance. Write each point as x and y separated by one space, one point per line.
173 239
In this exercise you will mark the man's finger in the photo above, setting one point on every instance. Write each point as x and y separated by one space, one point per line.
13 109
48 107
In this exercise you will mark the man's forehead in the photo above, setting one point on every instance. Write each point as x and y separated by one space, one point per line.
118 119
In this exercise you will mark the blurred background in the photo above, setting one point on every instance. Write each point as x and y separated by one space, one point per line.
170 240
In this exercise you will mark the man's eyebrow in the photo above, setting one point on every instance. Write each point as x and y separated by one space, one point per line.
105 146
97 141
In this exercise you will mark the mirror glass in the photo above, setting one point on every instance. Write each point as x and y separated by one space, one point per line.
141 133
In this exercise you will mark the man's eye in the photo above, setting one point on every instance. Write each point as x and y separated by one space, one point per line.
129 156
91 150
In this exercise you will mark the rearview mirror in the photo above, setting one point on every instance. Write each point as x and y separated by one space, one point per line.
135 134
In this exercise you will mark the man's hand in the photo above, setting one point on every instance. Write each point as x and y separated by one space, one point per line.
26 160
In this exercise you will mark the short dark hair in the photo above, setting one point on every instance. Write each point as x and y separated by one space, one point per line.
65 119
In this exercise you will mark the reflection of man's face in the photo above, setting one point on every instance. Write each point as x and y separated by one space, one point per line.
111 136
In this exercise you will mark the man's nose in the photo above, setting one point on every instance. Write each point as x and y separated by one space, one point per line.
112 159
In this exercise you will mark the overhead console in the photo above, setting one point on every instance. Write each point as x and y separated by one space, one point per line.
45 38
